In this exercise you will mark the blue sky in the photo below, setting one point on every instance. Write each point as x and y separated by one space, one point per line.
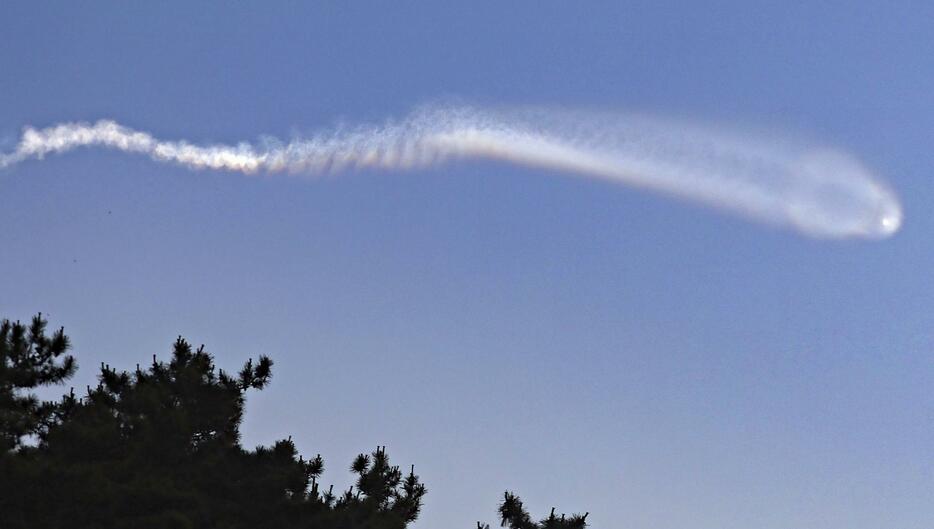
588 346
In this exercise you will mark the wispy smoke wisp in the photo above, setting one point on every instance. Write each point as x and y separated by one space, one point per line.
819 192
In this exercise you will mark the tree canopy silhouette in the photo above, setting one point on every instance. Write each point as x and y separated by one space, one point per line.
29 359
514 516
159 447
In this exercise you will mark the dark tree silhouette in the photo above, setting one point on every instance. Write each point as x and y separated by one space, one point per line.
159 448
29 359
514 516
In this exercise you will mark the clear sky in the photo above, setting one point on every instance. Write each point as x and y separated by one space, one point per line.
589 346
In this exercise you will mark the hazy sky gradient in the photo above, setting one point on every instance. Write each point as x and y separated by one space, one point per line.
588 346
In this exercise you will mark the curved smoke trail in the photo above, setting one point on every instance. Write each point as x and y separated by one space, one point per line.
820 192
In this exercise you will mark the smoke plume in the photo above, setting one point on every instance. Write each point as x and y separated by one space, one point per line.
818 191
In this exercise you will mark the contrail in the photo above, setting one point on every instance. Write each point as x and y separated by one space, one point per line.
819 192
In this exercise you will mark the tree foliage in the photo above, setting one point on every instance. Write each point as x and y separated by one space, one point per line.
159 448
29 359
514 516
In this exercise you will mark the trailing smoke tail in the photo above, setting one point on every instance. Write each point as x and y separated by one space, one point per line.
822 193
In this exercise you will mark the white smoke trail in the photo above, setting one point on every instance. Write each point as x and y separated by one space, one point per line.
820 192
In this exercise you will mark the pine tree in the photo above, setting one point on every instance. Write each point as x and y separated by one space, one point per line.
29 359
514 516
160 447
